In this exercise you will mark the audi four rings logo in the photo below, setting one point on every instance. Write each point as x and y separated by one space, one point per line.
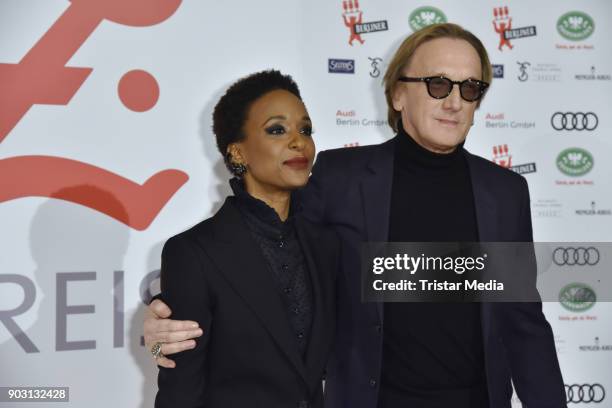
576 256
574 121
585 393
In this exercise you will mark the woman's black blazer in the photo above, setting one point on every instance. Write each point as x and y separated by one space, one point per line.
248 356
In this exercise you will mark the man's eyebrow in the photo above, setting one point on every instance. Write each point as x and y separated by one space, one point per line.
444 74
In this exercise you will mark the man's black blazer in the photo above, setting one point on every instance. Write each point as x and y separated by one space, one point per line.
350 190
248 356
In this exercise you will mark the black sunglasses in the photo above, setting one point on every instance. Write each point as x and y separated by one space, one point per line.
440 87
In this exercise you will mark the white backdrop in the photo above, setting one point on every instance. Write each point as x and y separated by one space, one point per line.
81 233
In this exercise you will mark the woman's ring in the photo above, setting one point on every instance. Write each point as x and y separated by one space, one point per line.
156 350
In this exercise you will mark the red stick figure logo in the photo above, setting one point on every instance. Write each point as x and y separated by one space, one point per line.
351 16
42 77
502 22
501 156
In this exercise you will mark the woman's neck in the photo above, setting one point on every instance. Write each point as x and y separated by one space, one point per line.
279 200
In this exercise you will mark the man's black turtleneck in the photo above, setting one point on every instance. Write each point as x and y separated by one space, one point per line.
432 352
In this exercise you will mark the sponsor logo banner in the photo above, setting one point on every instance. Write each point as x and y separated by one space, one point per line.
349 118
547 208
371 27
522 32
576 393
575 26
572 256
374 66
574 121
340 66
593 76
498 70
352 15
538 72
502 24
577 297
503 158
596 346
425 16
594 211
575 162
499 121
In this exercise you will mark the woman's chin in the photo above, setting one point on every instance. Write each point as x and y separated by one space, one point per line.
293 183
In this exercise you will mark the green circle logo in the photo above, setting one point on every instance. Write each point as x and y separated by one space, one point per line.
577 297
425 16
575 162
575 25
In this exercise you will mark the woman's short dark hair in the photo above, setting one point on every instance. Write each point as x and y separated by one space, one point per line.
230 113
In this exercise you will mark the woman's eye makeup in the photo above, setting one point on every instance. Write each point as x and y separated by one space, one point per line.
307 130
280 130
275 130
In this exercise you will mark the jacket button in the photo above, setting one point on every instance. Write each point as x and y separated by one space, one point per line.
303 404
372 382
378 328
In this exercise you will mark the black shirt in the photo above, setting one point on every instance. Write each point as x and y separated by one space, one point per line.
282 251
432 352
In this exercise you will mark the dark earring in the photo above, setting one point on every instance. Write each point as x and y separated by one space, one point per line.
237 169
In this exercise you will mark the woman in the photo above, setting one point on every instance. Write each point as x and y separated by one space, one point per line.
256 275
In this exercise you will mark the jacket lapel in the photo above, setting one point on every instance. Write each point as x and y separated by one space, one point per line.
484 201
238 257
376 192
376 197
485 206
322 328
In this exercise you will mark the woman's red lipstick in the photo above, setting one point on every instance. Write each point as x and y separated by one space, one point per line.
297 163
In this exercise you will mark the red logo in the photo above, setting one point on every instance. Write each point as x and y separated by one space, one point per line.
501 23
42 77
352 16
501 156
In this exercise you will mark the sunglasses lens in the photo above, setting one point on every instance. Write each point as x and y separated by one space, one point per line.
439 87
470 90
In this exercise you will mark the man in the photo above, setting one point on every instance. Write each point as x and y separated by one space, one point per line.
422 186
